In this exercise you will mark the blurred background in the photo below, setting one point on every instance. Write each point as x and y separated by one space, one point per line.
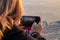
49 11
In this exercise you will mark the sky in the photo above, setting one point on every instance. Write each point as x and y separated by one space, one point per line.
48 10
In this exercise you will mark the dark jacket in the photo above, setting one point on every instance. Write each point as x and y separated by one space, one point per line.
14 34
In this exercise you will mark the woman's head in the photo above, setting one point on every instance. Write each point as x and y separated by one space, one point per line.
10 13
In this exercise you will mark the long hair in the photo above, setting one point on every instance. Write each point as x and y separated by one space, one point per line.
10 14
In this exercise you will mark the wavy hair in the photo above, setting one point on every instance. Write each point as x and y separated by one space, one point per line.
10 14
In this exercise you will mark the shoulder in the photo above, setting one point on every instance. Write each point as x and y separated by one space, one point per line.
14 34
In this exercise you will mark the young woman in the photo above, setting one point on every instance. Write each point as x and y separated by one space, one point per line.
10 14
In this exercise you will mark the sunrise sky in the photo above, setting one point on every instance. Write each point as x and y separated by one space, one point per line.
49 10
